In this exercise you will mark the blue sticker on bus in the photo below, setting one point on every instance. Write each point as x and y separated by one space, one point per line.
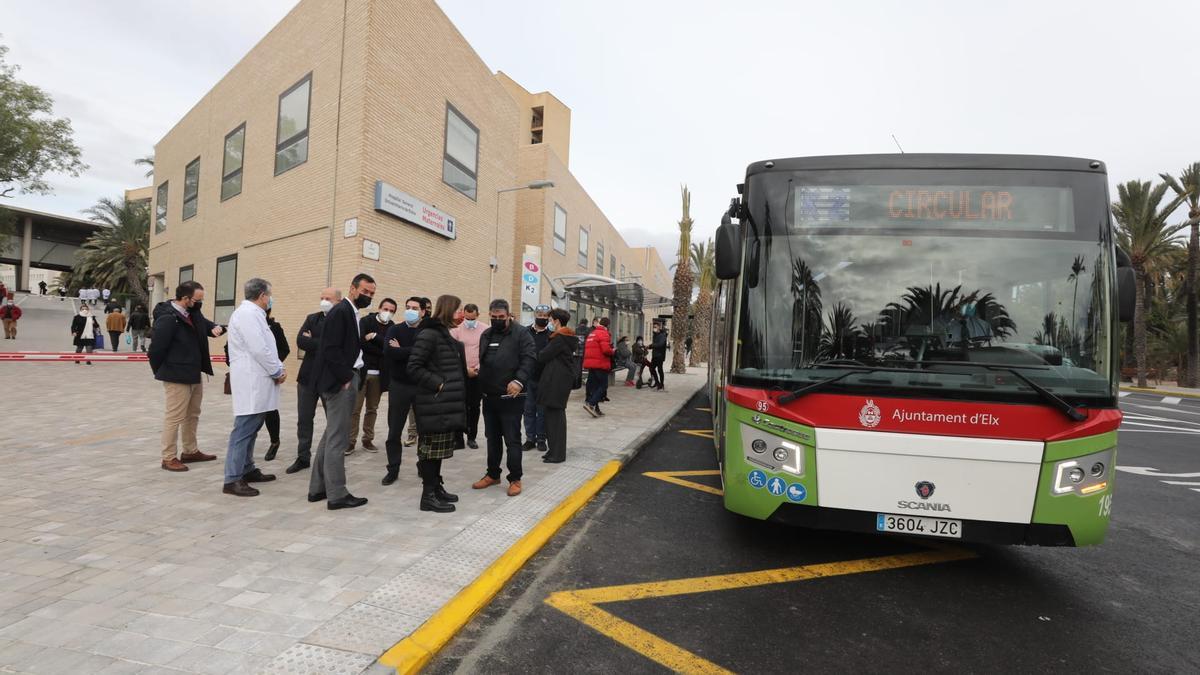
776 486
796 492
757 479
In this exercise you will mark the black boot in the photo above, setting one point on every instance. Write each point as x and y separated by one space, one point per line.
271 451
430 501
440 489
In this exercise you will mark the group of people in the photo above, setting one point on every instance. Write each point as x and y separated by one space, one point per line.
440 364
91 296
601 358
86 329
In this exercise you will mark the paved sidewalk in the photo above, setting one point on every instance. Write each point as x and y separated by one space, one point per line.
1164 388
110 565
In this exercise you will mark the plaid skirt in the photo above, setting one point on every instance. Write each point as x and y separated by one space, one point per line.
439 446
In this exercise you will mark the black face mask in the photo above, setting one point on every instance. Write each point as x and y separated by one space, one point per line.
542 323
196 306
362 302
499 325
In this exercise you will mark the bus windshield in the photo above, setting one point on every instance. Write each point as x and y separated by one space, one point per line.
924 278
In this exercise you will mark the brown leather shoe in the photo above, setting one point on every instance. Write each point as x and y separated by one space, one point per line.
174 465
239 489
485 482
369 446
514 488
196 456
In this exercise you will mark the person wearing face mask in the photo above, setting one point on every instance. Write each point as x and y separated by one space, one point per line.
506 363
178 356
658 356
10 314
84 329
557 365
374 328
637 363
469 333
308 340
534 414
336 379
402 390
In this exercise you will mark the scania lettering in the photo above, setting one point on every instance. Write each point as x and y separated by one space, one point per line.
891 326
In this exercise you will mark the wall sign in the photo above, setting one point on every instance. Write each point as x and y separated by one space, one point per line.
370 249
531 282
351 229
408 208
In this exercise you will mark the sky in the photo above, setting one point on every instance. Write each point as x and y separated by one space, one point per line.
670 92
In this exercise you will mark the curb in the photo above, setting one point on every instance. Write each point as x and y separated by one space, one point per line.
412 653
1161 392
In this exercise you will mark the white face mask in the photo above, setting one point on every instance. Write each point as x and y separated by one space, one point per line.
326 306
385 316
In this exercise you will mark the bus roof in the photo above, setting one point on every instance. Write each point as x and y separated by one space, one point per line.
929 161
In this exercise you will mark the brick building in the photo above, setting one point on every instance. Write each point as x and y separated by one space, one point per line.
333 147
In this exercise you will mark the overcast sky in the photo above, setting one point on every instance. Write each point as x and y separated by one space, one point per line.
671 92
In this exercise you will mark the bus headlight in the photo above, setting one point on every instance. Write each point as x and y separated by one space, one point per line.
1071 476
781 454
759 446
772 452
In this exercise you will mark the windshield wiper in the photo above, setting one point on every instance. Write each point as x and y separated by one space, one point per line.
1053 399
852 367
819 384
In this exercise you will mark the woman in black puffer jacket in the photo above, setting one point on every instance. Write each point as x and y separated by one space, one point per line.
437 365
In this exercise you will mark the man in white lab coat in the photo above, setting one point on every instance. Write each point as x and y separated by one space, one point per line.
255 374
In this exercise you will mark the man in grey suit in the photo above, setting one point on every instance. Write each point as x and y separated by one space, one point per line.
336 379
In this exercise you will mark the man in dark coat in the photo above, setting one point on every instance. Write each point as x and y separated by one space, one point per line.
535 416
658 355
507 359
373 328
402 390
309 340
178 356
336 377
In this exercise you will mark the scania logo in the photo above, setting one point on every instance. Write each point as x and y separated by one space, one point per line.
925 489
869 416
922 506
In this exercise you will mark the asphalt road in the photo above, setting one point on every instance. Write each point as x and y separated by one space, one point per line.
1131 604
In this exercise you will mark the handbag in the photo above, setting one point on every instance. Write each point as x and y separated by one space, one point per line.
129 338
99 338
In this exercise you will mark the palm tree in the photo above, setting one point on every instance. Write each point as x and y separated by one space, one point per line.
1188 187
839 335
1077 270
703 260
148 160
1143 232
682 286
116 255
806 311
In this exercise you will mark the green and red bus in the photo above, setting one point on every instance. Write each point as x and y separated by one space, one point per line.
921 344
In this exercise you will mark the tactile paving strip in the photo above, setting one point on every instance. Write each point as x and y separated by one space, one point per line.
303 659
365 629
415 595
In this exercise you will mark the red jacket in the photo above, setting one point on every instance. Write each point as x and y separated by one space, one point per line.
598 350
10 312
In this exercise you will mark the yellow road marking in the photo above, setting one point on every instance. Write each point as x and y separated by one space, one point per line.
674 477
702 433
581 604
413 652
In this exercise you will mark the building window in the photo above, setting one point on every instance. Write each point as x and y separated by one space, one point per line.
612 266
622 277
560 229
226 295
600 258
231 169
583 248
535 125
186 273
191 188
462 153
160 209
291 129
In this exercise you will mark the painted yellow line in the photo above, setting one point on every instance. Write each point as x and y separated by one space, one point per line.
702 433
674 477
1161 392
639 640
413 652
581 604
724 582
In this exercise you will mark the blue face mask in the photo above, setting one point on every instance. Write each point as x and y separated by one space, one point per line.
411 316
270 303
471 323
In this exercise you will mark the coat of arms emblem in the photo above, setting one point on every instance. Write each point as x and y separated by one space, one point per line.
869 416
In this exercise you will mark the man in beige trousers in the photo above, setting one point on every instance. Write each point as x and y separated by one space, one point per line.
179 356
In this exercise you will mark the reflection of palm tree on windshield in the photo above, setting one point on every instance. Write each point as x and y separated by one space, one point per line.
806 311
1077 270
1054 332
839 336
929 316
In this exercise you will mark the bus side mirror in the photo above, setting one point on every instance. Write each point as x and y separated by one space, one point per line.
728 249
1126 293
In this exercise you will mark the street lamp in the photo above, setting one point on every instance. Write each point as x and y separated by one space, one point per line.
535 185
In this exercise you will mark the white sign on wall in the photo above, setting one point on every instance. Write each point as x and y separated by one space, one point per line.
351 229
531 282
408 208
370 249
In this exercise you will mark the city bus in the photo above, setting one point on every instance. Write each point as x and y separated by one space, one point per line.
921 345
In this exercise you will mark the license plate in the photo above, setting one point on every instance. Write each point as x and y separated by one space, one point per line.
932 527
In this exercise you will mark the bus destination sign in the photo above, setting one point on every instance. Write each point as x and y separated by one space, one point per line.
1044 209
